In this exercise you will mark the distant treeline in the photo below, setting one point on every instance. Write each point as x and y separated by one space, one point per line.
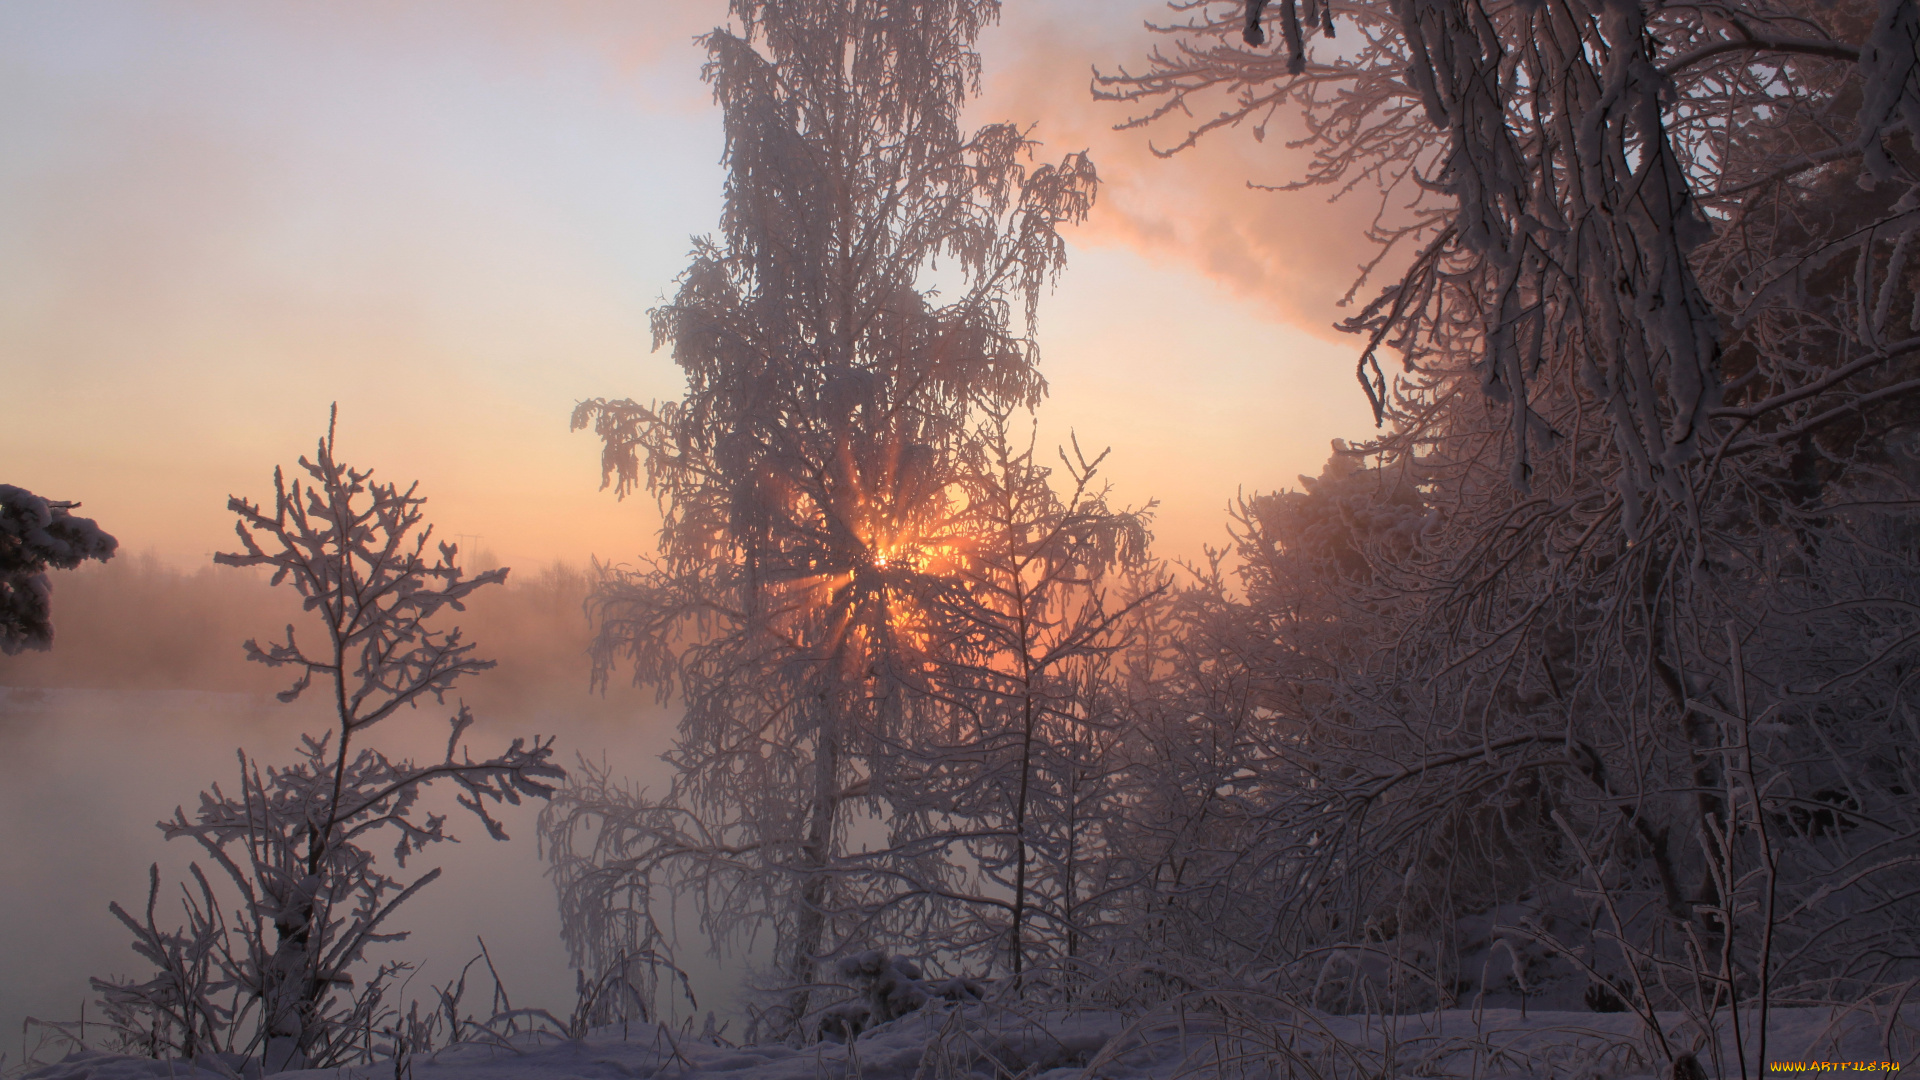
137 623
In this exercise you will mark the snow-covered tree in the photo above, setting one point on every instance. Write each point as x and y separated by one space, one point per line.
292 843
1614 633
830 391
35 534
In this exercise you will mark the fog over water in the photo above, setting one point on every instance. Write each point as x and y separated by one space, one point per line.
142 704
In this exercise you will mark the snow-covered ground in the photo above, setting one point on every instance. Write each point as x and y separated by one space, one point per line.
976 1041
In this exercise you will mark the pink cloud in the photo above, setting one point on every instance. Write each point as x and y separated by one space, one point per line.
1293 253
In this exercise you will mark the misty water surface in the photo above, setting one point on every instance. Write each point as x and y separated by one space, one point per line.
101 740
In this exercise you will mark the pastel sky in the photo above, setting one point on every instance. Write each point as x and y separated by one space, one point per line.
451 216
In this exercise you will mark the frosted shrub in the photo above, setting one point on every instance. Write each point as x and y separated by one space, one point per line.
282 972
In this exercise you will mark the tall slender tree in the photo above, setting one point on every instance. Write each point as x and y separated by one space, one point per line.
829 394
1031 612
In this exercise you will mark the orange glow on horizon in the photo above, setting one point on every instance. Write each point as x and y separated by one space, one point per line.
465 242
